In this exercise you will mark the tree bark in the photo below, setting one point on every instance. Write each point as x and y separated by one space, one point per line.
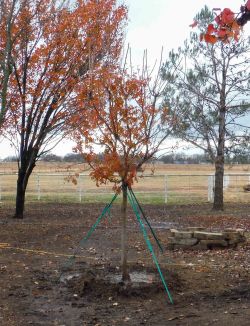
218 186
124 250
219 160
20 196
25 169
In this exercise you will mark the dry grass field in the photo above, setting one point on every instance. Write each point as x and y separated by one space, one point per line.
63 167
162 183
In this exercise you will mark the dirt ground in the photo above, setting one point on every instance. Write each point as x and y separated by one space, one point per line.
208 287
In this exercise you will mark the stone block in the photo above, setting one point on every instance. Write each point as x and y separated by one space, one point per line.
246 188
195 238
209 235
232 235
195 228
185 242
235 241
214 243
240 231
200 246
181 234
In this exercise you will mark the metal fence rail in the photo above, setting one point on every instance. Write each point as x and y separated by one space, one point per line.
195 188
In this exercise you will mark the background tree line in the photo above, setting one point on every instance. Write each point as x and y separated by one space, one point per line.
173 158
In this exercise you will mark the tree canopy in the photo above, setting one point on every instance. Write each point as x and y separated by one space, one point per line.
54 50
125 120
208 95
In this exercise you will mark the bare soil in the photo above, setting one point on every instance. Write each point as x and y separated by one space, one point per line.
208 287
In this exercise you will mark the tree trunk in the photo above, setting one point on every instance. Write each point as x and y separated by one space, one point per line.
25 169
20 195
219 160
124 250
218 186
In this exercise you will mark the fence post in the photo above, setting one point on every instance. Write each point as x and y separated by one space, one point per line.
210 190
38 187
226 181
189 187
238 188
166 188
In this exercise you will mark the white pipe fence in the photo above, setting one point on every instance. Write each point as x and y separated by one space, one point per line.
172 188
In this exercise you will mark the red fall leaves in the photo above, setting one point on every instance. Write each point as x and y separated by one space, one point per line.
226 26
224 29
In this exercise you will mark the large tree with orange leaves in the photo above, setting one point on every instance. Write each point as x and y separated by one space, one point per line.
57 46
127 123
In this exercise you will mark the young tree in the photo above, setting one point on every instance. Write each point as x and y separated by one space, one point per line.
209 93
126 121
51 57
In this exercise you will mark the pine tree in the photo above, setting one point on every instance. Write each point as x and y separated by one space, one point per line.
208 96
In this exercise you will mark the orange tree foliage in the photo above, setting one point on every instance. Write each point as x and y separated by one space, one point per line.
8 14
53 46
125 121
226 26
50 56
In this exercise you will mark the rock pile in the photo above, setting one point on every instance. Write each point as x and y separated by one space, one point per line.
198 238
246 188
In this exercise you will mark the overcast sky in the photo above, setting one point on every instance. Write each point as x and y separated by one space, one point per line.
154 24
165 23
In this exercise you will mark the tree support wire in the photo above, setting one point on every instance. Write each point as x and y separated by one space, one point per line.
70 260
146 220
137 210
148 242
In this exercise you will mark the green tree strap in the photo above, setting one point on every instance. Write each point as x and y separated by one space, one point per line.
70 261
144 232
104 212
145 218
